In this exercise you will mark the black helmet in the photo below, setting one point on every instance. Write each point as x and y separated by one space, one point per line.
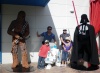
84 18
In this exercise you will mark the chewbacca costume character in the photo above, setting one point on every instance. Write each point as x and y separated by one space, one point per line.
19 30
84 47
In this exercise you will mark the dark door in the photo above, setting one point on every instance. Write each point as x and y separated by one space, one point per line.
0 35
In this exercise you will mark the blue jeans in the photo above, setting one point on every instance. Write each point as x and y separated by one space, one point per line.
64 55
41 63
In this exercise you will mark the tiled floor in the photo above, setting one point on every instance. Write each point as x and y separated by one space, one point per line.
6 68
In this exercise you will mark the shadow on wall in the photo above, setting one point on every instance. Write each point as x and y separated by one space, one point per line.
38 21
43 19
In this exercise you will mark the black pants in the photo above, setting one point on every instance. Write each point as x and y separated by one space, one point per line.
84 47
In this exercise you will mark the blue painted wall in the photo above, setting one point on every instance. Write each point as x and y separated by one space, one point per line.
0 35
26 2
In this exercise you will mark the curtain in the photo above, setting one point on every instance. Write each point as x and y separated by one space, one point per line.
95 14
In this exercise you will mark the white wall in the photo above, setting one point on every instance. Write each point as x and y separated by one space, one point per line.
56 14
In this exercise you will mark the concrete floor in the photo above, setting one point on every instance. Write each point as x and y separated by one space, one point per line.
6 68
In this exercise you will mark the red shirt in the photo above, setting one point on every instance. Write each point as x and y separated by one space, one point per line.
44 50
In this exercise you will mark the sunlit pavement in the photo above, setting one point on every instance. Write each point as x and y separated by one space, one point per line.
6 68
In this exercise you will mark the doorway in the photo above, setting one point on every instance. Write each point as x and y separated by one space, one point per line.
0 35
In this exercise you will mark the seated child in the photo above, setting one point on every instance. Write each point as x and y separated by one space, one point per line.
43 54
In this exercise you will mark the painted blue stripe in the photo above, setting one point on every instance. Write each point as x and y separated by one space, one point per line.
26 2
0 35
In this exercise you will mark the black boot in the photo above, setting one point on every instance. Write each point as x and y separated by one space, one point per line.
93 67
76 66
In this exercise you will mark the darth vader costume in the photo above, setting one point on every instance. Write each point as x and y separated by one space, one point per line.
84 44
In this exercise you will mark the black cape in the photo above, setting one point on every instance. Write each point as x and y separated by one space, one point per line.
94 52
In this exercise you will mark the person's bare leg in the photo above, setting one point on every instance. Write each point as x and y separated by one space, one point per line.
63 63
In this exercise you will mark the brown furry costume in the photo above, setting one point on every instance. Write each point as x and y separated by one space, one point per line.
18 39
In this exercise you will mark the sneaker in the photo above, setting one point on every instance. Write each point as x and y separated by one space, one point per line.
65 65
62 65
